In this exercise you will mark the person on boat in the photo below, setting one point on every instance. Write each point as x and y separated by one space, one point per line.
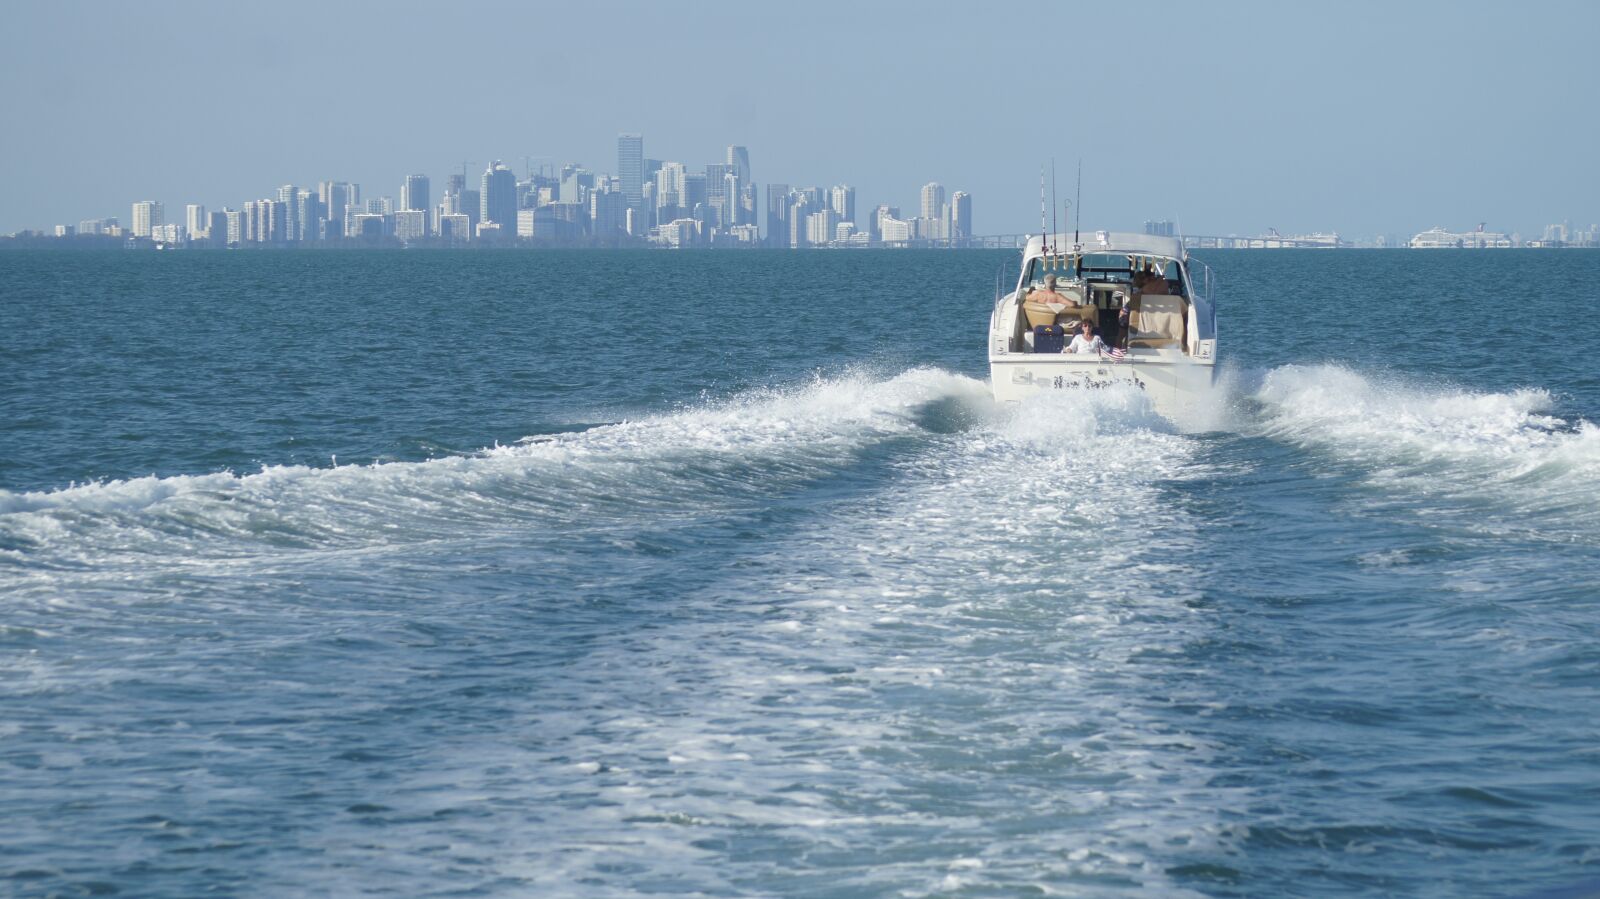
1048 293
1149 281
1086 341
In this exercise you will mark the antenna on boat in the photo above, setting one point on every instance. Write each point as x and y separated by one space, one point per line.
1053 229
1077 206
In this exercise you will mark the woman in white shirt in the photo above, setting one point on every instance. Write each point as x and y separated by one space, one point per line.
1086 341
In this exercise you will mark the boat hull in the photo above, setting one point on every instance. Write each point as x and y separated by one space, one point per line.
1174 387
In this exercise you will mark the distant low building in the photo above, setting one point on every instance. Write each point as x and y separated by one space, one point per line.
675 234
895 230
455 227
744 235
1437 238
411 224
370 225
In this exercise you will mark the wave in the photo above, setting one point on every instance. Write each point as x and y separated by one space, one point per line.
1503 449
717 453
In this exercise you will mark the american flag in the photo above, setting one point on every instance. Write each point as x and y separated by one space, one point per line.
1118 354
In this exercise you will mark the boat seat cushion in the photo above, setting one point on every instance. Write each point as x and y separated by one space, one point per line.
1157 317
1041 314
1038 314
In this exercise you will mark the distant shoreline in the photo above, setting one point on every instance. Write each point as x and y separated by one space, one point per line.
120 245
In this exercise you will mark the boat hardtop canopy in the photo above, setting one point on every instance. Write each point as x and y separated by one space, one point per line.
1105 242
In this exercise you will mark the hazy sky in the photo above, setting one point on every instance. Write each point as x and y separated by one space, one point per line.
1365 117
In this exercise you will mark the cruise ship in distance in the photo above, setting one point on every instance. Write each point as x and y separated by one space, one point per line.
1437 238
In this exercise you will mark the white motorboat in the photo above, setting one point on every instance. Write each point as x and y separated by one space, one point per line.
1151 306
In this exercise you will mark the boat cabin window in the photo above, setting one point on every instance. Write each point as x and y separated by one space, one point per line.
1103 268
1041 266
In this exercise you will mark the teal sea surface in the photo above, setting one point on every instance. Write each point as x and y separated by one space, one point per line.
718 573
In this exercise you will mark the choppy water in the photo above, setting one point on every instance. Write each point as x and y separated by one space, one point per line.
722 574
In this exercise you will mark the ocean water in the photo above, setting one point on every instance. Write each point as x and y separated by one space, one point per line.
600 574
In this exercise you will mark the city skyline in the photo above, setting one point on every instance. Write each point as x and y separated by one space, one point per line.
655 201
635 207
1234 118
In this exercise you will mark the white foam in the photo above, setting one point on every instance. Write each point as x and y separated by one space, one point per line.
962 620
845 684
1498 447
684 460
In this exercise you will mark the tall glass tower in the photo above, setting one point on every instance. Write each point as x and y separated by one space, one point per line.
414 192
630 169
739 161
498 201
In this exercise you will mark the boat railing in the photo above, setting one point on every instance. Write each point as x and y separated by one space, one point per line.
1202 283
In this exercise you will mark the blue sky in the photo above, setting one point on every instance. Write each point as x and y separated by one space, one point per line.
1364 117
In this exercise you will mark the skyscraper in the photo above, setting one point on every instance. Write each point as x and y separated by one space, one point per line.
960 215
308 215
414 193
717 194
693 190
217 228
195 221
842 200
630 169
146 215
238 227
608 211
879 214
932 200
821 226
739 162
274 221
332 198
744 198
777 215
287 196
733 191
452 203
934 222
669 184
576 183
800 206
498 198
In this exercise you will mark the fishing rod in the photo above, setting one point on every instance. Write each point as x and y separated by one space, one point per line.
1077 207
1053 229
1042 236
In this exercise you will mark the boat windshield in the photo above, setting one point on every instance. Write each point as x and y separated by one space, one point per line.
1102 267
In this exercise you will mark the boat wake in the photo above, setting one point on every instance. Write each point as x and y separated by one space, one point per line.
1497 452
714 456
741 451
912 667
862 611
